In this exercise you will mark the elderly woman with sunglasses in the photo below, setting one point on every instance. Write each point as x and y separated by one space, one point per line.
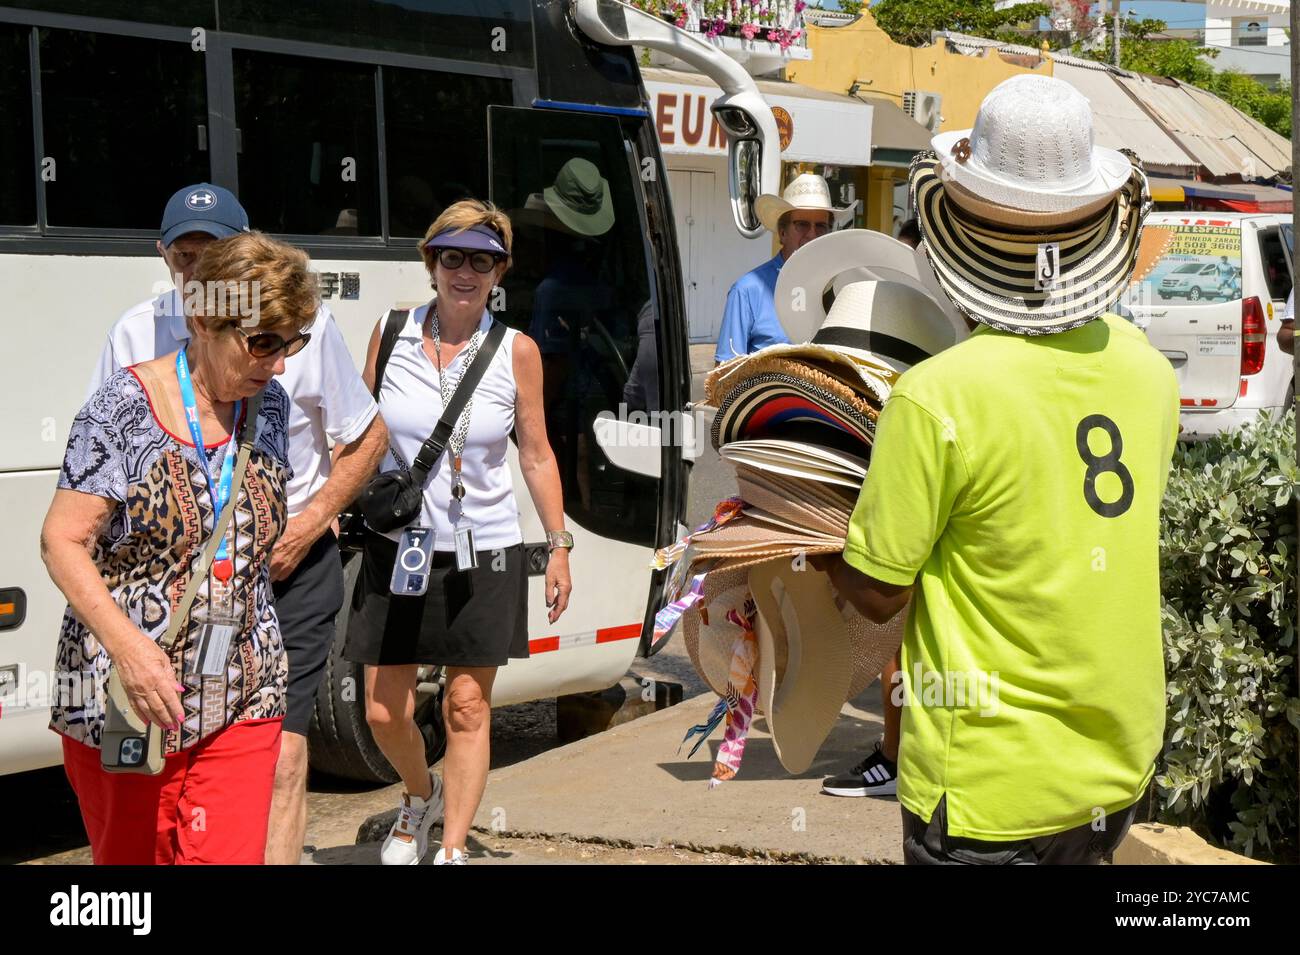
147 473
471 619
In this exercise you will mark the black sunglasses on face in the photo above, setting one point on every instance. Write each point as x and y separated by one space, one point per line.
482 262
266 344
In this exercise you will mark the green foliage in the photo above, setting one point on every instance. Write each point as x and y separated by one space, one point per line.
910 21
1182 60
1228 576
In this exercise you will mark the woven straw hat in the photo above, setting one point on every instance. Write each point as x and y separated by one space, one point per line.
1032 148
807 191
831 655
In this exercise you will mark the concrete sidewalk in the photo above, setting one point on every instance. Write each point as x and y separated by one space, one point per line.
627 786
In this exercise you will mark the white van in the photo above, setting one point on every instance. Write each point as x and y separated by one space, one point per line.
1209 291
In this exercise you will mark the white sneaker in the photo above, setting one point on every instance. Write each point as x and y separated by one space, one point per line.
414 820
456 858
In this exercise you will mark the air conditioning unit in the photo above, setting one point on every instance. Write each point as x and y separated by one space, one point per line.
924 108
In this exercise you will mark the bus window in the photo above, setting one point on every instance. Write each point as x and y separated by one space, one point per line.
580 288
18 188
490 31
309 159
176 13
424 110
113 168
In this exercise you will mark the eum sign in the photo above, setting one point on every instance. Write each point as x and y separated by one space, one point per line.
815 128
76 908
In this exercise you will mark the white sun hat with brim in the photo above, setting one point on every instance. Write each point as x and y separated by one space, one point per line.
809 283
808 191
1032 148
823 646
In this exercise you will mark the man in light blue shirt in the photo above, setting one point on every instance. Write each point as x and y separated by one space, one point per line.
749 321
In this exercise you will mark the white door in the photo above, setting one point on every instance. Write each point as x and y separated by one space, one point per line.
692 196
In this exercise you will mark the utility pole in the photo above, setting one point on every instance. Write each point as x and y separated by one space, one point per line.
1295 208
1115 46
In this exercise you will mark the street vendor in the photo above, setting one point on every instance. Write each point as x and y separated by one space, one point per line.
1014 498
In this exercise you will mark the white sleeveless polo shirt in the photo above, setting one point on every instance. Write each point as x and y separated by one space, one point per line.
411 408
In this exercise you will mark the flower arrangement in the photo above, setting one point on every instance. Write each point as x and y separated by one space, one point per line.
775 21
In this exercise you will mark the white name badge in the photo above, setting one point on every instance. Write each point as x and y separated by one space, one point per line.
466 556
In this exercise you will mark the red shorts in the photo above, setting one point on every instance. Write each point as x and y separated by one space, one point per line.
210 803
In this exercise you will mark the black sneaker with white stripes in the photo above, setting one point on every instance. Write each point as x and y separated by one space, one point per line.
874 776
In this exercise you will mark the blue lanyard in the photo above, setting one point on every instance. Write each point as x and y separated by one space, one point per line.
221 491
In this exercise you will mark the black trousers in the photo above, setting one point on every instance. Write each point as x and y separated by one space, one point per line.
928 843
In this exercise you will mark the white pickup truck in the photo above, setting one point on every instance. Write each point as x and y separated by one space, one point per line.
1209 290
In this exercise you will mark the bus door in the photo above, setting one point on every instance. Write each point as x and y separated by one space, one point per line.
586 288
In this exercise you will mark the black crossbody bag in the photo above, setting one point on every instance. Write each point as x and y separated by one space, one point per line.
393 499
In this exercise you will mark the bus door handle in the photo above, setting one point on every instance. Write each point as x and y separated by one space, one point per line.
203 138
1176 358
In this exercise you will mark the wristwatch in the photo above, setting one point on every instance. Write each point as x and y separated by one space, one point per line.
556 539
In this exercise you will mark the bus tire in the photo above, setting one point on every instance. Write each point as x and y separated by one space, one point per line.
339 741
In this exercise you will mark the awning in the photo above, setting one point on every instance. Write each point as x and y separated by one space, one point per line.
817 126
1237 197
895 137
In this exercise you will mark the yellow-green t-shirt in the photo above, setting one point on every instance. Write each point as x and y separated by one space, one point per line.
1017 481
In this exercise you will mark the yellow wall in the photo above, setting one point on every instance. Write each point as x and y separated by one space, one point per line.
863 53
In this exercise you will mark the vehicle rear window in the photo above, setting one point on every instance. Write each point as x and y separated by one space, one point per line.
1187 262
1274 259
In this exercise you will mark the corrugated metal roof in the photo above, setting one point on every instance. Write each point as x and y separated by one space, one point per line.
1271 148
1188 124
1118 122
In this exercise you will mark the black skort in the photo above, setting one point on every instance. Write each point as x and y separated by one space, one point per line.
473 618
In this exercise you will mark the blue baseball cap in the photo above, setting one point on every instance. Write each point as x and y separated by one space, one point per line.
476 238
203 208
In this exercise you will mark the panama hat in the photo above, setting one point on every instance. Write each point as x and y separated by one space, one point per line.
830 655
1032 281
813 278
807 191
1032 148
580 198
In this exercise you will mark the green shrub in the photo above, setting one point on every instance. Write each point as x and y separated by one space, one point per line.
1228 572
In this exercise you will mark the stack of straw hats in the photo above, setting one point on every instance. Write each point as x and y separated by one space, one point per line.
796 422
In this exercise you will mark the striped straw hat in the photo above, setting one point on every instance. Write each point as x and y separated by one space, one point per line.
1050 277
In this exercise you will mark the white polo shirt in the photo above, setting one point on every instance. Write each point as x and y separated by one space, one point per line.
328 396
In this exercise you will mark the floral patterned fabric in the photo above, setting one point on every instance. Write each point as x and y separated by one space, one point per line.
162 517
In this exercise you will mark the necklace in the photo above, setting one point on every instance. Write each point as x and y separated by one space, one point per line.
456 443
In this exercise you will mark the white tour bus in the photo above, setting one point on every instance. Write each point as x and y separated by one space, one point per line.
345 128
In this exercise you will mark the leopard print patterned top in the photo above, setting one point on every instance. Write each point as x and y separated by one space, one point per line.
163 515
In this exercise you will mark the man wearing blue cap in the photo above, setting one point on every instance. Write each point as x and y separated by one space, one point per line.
329 402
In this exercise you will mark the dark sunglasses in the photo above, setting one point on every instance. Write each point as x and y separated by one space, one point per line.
482 262
266 344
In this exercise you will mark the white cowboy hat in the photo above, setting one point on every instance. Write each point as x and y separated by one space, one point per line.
1032 149
885 305
824 649
808 191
